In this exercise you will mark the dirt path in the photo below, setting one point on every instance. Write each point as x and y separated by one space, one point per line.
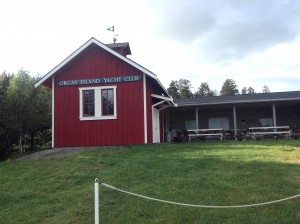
56 153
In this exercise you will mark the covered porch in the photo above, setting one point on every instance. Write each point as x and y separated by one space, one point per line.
234 114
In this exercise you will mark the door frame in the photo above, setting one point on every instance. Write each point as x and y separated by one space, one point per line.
155 126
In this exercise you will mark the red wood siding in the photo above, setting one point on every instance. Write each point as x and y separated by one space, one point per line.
128 128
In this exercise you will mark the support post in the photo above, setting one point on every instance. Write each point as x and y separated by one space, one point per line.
234 123
96 201
274 115
197 118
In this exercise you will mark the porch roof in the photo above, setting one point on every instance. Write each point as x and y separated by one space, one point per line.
239 99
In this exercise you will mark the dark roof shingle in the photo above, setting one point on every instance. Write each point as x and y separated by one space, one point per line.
243 98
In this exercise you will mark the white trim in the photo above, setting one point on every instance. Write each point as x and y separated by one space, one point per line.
160 102
155 133
98 104
197 117
52 111
238 101
103 46
234 120
274 114
98 118
145 109
169 100
162 97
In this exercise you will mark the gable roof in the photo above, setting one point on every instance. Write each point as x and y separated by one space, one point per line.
105 47
235 99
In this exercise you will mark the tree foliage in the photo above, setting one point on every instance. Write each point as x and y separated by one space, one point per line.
173 89
184 88
26 109
180 89
204 90
4 116
266 89
229 88
248 90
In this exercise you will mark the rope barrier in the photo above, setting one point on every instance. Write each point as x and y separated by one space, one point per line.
198 206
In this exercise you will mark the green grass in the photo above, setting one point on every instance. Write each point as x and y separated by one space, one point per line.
213 173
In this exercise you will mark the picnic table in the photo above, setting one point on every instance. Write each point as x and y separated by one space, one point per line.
205 132
273 131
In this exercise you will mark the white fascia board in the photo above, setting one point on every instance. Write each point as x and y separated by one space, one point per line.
240 101
103 46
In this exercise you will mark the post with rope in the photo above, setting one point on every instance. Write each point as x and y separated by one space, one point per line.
96 201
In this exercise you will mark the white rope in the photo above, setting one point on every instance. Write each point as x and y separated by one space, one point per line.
198 206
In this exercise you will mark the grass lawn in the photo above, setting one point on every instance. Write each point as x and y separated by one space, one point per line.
213 173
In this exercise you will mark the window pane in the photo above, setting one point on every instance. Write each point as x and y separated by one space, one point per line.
88 103
107 96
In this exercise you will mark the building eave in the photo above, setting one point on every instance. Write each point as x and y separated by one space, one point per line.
103 46
236 102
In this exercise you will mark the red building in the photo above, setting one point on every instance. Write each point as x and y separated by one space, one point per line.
101 97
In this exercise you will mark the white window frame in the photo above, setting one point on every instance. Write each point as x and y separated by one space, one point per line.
98 103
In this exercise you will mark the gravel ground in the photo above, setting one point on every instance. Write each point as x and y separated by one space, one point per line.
56 153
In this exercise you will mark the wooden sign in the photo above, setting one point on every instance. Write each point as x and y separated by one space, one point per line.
99 81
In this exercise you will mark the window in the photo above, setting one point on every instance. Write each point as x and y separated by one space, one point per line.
265 122
107 102
190 125
88 103
98 103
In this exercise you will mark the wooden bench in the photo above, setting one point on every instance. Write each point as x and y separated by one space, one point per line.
274 131
205 132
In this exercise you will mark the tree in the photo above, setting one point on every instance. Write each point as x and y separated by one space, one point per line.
204 90
29 107
173 89
180 89
4 117
40 119
184 88
248 90
266 89
244 90
229 88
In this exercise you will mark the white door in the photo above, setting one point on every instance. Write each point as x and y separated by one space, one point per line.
155 126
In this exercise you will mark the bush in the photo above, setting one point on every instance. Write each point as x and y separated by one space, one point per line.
4 147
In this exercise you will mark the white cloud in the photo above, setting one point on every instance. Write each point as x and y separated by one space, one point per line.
255 42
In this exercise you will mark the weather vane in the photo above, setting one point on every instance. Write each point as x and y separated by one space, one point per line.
112 28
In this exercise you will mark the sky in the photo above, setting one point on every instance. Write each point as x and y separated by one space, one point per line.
253 42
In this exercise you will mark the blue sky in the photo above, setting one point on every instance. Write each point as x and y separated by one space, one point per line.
255 42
